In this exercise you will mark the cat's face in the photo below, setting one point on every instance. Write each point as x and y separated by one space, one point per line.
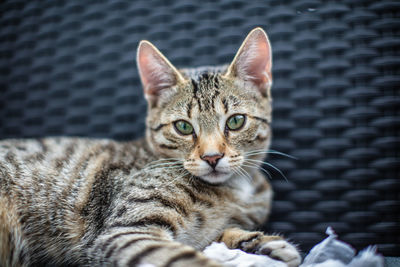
209 118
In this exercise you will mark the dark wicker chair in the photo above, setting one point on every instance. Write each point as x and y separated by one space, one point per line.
67 68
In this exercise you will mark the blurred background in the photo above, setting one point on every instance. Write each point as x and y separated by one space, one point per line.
68 68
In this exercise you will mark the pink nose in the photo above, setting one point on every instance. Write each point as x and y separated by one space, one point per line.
212 159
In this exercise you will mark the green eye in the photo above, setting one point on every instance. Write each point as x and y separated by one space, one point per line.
235 122
183 127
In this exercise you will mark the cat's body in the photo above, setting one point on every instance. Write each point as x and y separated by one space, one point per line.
75 189
158 200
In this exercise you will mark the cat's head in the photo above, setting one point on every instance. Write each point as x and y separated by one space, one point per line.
212 119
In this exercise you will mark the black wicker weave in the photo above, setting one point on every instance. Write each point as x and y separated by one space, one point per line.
67 68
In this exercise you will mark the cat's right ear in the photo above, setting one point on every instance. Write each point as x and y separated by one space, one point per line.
156 72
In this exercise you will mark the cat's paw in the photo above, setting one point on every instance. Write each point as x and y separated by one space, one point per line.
280 250
273 246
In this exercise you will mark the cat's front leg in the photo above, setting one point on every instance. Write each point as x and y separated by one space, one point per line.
258 243
126 246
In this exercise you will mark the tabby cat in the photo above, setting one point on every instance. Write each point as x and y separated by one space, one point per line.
193 180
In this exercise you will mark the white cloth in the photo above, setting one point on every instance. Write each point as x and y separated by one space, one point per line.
331 252
237 258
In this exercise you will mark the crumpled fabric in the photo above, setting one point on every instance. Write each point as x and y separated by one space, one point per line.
238 258
331 252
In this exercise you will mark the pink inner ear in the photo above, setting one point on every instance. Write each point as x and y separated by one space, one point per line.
155 72
259 66
254 61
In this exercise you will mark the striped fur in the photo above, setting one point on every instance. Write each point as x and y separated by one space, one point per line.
88 202
82 201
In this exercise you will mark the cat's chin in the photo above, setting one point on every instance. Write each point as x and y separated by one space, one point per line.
216 177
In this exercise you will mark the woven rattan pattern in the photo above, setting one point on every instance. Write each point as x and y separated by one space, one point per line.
67 68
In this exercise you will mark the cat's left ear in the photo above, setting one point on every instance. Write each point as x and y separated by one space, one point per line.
156 72
253 61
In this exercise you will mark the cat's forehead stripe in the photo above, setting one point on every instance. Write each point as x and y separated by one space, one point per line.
195 91
205 91
189 109
195 73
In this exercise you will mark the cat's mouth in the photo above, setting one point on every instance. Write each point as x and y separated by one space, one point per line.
212 172
216 177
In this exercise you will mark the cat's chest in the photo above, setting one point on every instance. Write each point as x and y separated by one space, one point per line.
207 223
198 213
243 188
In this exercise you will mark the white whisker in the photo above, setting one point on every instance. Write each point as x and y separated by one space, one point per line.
181 173
166 160
237 171
257 167
270 165
248 176
150 166
243 173
261 152
163 164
